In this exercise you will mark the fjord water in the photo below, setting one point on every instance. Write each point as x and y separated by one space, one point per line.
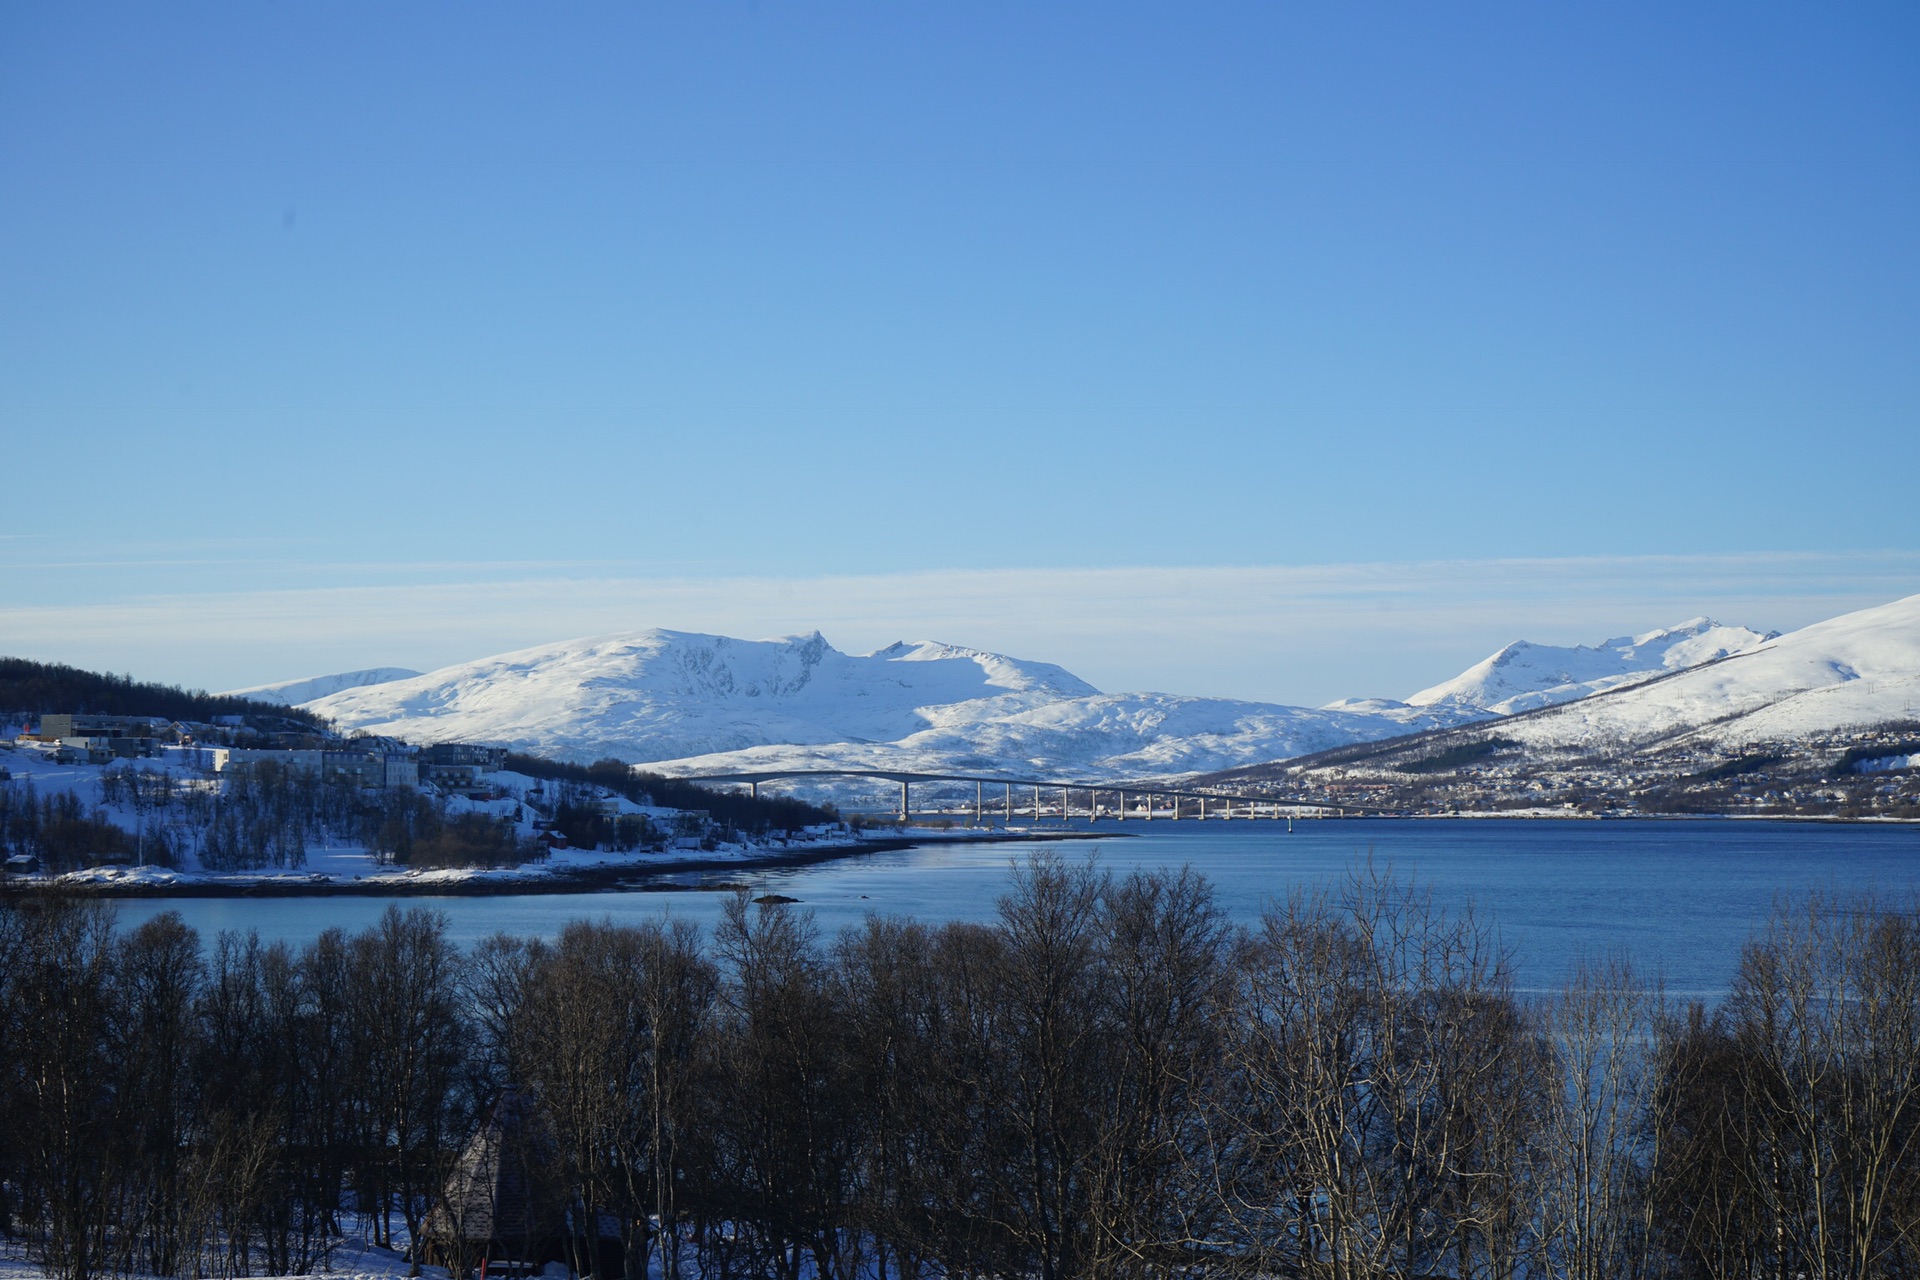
1679 897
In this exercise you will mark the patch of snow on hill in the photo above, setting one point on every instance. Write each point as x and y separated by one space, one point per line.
291 693
1524 676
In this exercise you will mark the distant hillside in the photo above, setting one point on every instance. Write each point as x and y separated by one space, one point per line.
1855 671
1824 721
39 688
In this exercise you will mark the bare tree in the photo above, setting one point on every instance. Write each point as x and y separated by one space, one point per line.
1600 1154
1824 1020
64 1103
1367 1040
152 1034
405 976
1164 951
791 1129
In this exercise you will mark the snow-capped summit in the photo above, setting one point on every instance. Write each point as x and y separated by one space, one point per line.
1525 675
291 693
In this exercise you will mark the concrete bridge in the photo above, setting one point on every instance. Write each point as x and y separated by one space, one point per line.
1051 796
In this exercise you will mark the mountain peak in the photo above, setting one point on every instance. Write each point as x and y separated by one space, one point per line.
659 694
1524 675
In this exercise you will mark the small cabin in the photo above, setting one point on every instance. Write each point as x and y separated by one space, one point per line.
501 1209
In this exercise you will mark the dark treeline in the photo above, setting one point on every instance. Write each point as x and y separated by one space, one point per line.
33 688
737 810
1106 1081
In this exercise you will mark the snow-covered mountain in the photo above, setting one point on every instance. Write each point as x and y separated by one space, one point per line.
1848 672
697 703
291 693
688 703
1525 675
660 695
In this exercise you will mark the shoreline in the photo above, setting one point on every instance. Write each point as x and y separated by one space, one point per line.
657 877
597 878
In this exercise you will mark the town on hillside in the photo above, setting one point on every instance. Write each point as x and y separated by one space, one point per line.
109 797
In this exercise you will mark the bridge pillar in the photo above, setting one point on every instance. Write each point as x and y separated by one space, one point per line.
1066 810
1009 804
753 790
1203 808
977 803
904 809
1149 799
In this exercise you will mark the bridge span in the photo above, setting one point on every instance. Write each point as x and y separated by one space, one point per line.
1052 796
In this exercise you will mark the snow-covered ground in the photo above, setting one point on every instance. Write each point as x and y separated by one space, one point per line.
353 1259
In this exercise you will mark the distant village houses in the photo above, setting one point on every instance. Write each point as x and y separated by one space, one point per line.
374 763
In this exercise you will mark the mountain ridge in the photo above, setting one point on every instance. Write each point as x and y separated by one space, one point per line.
690 702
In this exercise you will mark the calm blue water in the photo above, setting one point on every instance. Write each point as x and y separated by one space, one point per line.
1679 897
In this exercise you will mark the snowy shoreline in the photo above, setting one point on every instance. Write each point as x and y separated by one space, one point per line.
633 875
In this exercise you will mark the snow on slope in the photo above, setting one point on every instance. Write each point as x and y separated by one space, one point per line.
656 695
1855 670
1525 675
291 693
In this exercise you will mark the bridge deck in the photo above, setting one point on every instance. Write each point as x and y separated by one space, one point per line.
905 778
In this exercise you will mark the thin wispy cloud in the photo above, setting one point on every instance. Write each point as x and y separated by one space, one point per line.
1299 633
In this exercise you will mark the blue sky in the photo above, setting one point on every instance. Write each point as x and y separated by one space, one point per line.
782 315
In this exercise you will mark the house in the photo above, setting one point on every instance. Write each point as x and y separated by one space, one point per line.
371 767
228 758
459 764
502 1203
96 749
55 727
